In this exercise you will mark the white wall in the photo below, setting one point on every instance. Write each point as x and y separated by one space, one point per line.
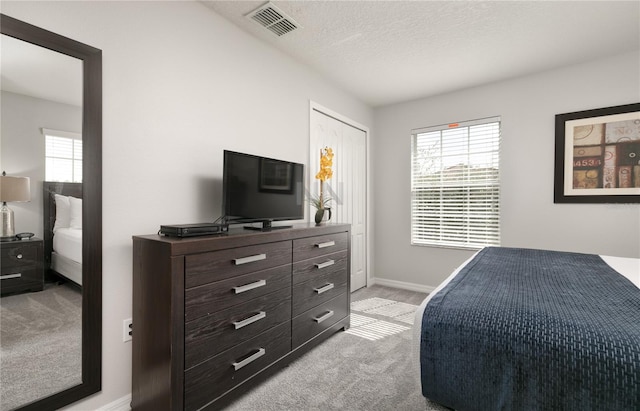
22 148
180 84
529 218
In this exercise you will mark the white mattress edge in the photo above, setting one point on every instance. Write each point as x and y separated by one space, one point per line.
67 242
628 267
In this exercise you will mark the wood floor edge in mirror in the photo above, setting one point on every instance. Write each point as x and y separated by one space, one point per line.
91 58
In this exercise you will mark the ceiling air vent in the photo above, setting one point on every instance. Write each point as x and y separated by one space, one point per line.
273 19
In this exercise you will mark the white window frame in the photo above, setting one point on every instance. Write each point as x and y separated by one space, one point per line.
76 160
456 204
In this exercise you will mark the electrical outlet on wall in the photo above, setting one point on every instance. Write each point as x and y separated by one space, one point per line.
127 330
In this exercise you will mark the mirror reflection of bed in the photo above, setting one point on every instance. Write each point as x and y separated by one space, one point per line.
46 326
63 231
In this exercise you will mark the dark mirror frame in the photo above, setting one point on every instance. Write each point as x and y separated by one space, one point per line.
92 206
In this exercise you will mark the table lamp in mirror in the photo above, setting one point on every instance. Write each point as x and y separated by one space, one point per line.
12 189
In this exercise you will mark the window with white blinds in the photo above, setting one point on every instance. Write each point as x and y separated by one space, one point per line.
455 184
63 156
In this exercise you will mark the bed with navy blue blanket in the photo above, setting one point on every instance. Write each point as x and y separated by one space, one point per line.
522 329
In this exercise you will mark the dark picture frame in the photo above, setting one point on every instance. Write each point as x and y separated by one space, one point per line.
597 155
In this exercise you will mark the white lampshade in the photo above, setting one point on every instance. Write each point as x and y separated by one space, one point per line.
14 189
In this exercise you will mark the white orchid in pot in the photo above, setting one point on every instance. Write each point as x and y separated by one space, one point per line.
322 201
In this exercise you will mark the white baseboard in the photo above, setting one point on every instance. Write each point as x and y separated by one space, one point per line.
121 404
402 285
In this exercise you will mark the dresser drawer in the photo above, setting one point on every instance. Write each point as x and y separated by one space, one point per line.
212 334
311 247
321 288
213 297
16 279
219 265
308 269
21 266
312 322
21 256
209 380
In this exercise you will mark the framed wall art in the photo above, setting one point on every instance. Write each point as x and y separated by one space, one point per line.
598 156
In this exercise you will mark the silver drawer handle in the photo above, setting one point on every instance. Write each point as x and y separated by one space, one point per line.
325 264
327 244
9 276
324 288
250 320
324 317
249 359
247 287
250 259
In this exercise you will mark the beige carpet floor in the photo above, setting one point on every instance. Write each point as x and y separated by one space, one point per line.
40 344
368 367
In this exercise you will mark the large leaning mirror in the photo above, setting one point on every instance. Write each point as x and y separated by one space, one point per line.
50 283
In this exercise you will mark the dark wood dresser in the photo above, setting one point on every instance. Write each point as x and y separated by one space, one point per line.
213 316
21 266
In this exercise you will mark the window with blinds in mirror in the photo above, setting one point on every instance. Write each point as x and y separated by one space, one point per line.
455 184
63 156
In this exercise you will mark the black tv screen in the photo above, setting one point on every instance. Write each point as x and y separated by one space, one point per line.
260 189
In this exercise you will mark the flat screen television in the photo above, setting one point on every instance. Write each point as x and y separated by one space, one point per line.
261 189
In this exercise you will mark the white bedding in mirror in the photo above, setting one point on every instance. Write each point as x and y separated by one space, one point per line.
66 258
68 243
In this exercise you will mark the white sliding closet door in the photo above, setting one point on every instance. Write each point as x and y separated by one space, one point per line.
348 185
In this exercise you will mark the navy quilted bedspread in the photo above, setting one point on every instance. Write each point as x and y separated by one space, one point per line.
521 329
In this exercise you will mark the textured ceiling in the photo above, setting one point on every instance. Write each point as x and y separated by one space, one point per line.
386 52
